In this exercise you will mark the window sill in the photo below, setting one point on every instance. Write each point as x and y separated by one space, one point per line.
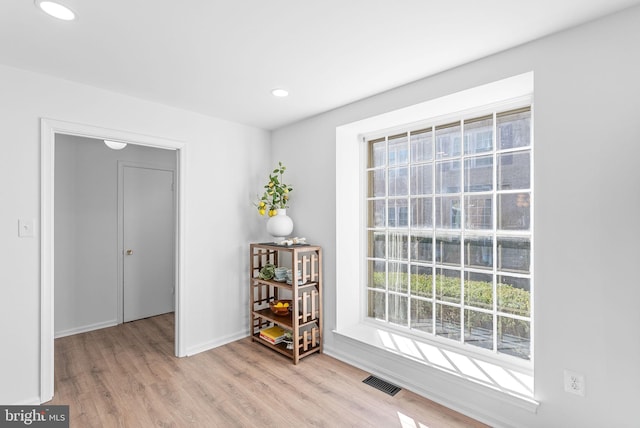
511 385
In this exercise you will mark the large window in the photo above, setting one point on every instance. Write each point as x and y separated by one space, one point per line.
448 230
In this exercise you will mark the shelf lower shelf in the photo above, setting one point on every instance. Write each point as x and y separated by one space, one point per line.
285 320
282 347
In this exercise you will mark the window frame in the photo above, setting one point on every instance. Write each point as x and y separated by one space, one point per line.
414 363
434 123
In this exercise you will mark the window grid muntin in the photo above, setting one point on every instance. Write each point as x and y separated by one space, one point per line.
462 232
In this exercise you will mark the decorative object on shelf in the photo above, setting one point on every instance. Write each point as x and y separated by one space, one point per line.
274 202
301 280
280 225
273 335
288 339
280 307
276 193
268 271
280 274
293 241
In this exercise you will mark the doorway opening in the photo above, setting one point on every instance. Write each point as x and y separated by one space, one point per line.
50 242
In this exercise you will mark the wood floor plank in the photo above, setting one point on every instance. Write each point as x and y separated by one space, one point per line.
127 376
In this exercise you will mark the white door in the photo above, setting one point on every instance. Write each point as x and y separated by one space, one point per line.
148 238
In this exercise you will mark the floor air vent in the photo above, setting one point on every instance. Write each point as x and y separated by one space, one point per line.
382 385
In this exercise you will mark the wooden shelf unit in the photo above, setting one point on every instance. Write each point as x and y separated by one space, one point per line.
305 291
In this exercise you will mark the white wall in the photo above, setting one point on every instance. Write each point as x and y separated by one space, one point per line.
86 227
226 163
587 97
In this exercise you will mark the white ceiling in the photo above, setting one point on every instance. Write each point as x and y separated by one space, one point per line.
222 58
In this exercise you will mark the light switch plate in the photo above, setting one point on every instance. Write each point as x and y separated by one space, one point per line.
25 228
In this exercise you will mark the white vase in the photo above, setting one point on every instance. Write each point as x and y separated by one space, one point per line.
280 225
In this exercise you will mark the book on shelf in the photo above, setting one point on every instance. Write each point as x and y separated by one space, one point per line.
273 335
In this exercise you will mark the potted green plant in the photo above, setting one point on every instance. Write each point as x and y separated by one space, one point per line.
274 202
276 193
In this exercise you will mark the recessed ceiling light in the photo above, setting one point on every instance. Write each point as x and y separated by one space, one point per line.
56 10
279 92
115 145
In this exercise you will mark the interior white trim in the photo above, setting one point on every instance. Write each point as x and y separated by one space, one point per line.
367 337
86 328
49 128
349 208
388 368
211 344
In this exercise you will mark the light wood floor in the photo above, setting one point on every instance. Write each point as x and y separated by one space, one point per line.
127 376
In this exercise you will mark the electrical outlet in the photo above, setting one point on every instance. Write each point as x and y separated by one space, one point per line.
574 383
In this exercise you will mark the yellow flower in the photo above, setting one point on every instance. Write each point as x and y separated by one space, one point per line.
262 211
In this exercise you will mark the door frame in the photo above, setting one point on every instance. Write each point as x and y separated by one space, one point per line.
48 130
121 166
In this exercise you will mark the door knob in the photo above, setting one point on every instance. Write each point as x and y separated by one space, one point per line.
129 252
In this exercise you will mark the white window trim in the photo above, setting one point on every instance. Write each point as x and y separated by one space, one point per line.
484 110
350 214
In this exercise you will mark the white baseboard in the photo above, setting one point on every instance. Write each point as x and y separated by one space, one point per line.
33 401
85 328
206 346
395 370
